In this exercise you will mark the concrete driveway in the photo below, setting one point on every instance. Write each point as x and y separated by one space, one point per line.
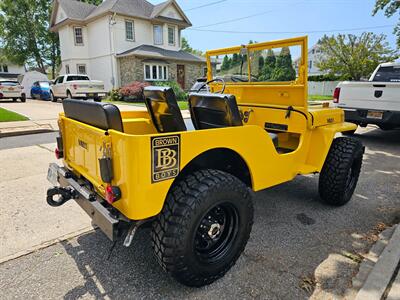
296 240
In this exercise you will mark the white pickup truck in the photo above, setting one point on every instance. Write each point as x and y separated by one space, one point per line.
76 86
376 101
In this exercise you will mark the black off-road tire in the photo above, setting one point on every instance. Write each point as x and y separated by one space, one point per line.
177 232
339 175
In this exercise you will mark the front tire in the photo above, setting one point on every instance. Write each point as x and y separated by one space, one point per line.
23 97
203 228
339 175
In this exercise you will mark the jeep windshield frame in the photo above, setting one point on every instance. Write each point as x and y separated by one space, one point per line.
295 91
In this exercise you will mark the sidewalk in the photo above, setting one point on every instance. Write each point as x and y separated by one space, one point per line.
378 276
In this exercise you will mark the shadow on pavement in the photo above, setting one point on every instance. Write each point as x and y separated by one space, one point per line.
293 235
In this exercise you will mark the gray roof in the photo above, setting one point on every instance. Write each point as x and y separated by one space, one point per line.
76 10
156 52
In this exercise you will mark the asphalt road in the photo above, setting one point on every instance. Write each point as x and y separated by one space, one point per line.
294 234
27 140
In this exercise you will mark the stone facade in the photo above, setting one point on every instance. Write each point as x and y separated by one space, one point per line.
131 68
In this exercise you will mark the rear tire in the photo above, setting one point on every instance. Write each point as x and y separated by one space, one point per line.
203 228
339 175
23 97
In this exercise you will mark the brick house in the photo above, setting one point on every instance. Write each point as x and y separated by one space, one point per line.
120 41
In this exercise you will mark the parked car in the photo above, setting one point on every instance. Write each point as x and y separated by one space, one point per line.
75 86
376 101
41 90
10 89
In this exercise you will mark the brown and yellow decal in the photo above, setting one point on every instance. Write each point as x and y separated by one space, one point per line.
165 157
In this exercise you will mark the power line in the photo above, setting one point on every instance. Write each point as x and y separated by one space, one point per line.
240 18
233 20
291 32
205 5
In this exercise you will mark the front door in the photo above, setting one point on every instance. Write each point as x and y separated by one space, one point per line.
181 75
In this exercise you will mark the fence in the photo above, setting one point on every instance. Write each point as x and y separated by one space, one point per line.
321 87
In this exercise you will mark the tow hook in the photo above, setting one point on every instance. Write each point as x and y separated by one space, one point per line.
64 194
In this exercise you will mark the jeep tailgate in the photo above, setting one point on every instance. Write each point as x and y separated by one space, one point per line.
83 145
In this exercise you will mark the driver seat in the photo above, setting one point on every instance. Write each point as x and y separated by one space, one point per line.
211 110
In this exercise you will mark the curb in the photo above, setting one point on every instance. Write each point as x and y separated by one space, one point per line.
382 272
24 132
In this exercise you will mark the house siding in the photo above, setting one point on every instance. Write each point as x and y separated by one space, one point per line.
132 69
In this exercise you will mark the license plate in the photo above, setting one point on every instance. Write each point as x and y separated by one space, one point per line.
375 114
52 174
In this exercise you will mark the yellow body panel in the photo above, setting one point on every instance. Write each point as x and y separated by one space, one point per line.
304 138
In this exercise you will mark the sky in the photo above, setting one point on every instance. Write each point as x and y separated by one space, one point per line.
279 19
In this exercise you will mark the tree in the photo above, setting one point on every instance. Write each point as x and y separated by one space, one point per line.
25 35
260 62
269 66
226 63
284 70
390 7
186 47
354 56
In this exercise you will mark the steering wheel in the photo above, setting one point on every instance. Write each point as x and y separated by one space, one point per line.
213 80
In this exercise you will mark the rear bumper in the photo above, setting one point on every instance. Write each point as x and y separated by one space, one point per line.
89 95
359 116
89 201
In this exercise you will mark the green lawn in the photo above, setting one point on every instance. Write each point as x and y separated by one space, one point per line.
9 116
182 104
319 97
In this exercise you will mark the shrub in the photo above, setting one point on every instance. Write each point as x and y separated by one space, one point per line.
115 95
179 93
133 90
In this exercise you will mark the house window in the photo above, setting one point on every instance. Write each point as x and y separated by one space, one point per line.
155 72
5 68
171 35
310 64
78 36
81 69
129 31
205 71
67 69
158 34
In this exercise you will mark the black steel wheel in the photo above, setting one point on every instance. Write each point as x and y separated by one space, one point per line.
339 175
203 227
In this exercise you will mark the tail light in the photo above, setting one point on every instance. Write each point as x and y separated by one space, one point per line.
113 193
59 149
1 95
336 95
75 86
59 153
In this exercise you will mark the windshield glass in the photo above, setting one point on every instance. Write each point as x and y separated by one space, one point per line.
77 77
44 84
388 74
280 64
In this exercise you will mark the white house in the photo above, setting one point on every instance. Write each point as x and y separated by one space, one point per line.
314 55
10 70
120 41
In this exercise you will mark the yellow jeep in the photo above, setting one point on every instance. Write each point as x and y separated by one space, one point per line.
192 179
